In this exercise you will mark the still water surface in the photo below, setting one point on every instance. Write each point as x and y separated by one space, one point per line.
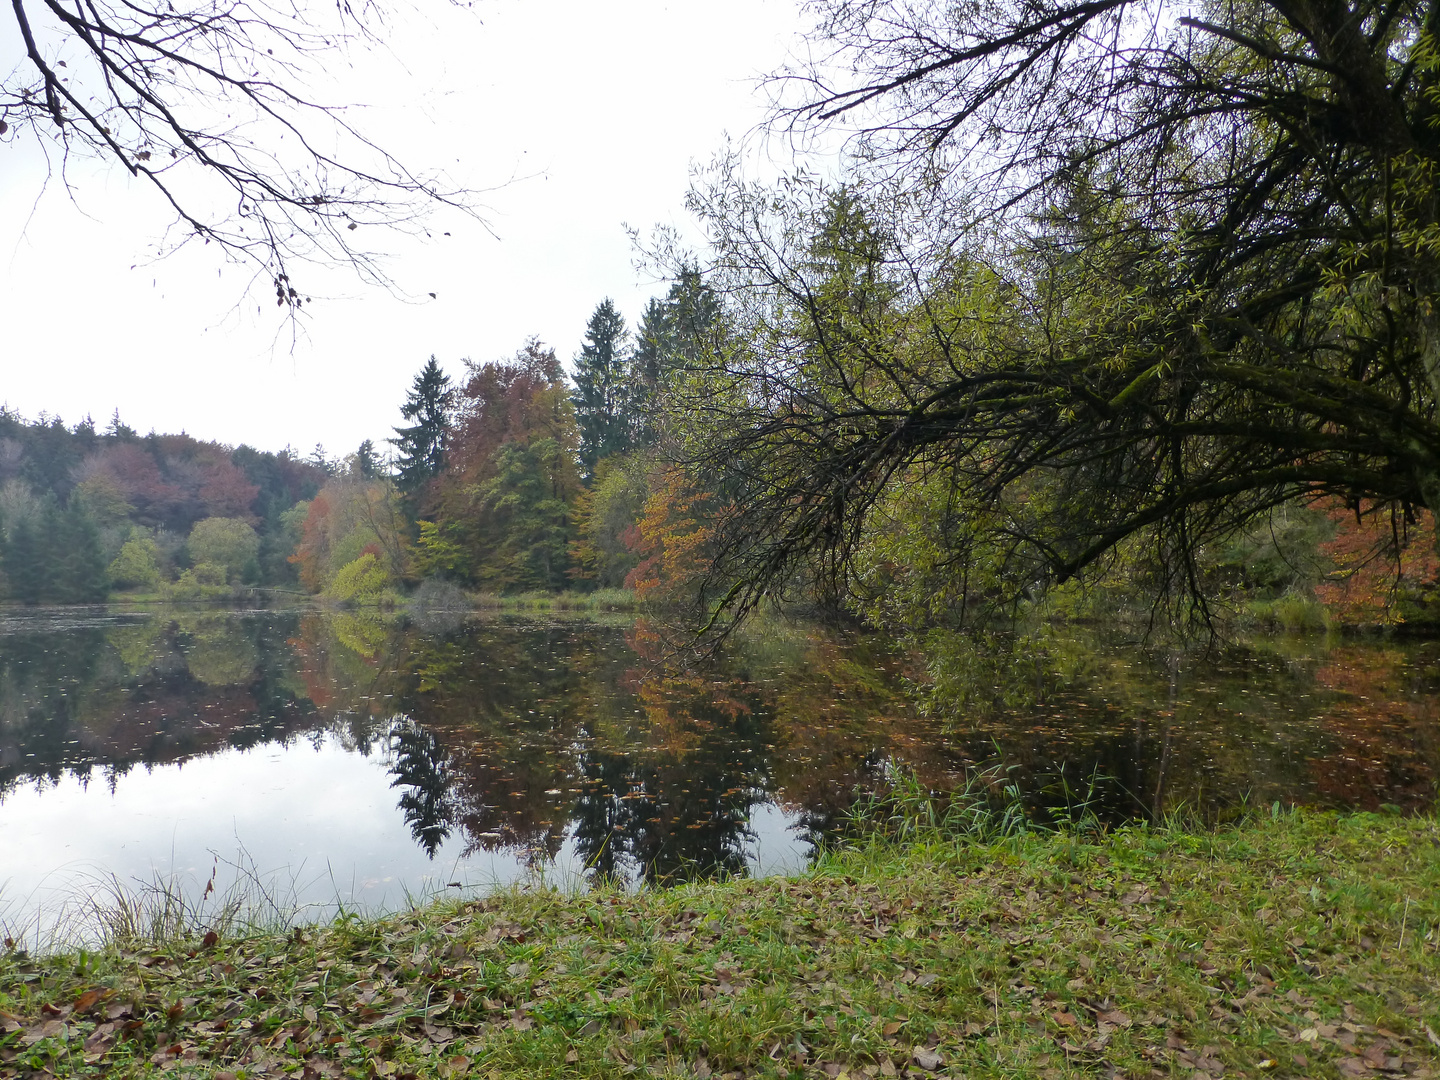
342 759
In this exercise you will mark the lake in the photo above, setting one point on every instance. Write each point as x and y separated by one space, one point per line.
323 761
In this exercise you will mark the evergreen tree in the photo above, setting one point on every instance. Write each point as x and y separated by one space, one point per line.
672 332
421 446
367 461
119 431
77 561
422 771
25 571
602 389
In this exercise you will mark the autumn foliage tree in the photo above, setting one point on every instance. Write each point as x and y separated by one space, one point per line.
1385 565
351 519
511 477
673 539
102 490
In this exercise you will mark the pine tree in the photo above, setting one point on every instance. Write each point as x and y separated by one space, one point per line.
602 389
421 446
25 569
78 572
367 461
672 332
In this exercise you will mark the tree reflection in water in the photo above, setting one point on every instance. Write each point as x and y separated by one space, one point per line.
530 736
421 768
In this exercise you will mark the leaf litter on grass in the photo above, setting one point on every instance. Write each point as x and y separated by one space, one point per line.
1273 949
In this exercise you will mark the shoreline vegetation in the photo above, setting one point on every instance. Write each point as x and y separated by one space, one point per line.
1292 943
1287 617
465 603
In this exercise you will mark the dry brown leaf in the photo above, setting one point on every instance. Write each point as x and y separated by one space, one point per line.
926 1058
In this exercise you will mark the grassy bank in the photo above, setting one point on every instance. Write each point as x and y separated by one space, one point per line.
1300 945
599 600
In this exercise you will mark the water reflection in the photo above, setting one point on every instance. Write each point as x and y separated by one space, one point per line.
1342 722
546 742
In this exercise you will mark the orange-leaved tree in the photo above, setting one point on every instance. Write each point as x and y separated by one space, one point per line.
352 517
511 475
673 539
1385 564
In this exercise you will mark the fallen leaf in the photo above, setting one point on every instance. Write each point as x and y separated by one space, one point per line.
927 1059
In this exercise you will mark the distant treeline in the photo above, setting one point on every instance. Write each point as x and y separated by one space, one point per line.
84 511
517 479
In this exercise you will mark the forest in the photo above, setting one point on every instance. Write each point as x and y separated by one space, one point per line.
525 479
1102 314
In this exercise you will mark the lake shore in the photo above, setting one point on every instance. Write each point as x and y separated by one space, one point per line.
1299 944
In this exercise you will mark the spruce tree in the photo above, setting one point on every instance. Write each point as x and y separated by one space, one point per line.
25 569
421 446
78 573
367 461
672 332
602 389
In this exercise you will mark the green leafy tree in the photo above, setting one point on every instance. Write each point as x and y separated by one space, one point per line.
524 532
420 447
359 582
226 542
1201 280
606 520
137 566
436 553
603 390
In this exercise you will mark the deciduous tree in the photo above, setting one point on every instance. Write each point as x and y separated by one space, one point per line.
212 107
506 495
1115 275
229 543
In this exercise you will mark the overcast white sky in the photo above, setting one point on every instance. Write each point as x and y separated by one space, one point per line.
603 106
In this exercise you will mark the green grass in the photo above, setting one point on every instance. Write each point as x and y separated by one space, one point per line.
1292 945
599 600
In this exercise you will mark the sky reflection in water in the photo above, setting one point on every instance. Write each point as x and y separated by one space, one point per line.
360 760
